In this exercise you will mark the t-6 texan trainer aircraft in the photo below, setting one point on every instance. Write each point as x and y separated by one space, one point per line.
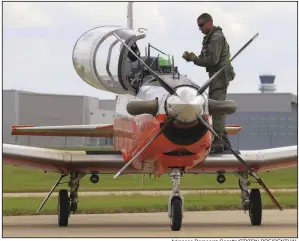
165 128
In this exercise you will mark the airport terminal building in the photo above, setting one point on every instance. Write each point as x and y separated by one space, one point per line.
268 119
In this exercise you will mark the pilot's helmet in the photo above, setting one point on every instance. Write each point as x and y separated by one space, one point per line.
135 49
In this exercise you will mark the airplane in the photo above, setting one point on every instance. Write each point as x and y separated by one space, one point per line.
163 126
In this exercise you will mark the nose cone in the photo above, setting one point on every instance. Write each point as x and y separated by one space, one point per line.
186 106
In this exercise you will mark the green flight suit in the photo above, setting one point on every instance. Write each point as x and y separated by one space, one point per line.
215 53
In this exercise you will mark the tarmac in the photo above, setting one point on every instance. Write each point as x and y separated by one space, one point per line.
229 224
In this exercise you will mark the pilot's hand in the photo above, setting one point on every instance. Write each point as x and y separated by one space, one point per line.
189 56
192 56
186 56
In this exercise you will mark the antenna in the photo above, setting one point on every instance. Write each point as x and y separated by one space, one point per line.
130 15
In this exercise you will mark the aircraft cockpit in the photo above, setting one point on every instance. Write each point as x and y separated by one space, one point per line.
163 65
102 59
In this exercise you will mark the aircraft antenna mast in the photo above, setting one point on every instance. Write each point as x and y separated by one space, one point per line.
130 15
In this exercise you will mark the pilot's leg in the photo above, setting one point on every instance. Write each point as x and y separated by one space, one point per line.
219 121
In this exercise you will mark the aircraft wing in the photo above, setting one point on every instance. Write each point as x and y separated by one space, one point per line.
105 130
63 161
259 160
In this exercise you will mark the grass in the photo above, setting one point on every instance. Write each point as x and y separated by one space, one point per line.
140 203
21 179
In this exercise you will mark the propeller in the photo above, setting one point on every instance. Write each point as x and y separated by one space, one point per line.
250 171
210 80
169 122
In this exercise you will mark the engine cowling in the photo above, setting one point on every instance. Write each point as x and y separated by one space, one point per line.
102 61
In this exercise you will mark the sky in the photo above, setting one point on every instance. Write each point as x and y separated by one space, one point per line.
38 40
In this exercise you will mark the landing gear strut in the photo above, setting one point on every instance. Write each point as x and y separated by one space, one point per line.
252 201
66 204
175 201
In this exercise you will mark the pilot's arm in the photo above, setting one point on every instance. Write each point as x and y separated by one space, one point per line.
214 52
213 56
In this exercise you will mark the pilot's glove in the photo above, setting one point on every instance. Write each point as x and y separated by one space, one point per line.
186 56
189 56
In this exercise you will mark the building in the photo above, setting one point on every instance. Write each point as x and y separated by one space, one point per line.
268 119
28 108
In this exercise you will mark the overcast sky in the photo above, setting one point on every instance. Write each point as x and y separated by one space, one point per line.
38 40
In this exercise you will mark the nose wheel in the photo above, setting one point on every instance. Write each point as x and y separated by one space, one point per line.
176 214
176 201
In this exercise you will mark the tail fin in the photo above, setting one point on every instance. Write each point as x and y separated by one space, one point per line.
130 15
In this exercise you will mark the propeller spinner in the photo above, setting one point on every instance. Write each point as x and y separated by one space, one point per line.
186 105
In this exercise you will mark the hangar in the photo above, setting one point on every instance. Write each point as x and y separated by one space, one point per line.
268 119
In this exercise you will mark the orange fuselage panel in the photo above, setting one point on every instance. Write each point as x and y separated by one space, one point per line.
132 134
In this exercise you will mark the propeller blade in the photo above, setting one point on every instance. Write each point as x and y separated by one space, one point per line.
167 87
251 173
170 120
209 81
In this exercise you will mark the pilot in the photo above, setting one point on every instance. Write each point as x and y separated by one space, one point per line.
135 49
214 54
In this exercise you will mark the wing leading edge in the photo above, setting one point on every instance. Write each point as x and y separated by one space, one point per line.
63 161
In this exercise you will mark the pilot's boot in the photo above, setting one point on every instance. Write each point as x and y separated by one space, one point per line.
217 146
226 140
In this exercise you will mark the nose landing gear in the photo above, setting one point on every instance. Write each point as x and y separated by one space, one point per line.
175 201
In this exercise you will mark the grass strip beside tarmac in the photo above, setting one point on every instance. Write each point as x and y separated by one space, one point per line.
21 179
141 203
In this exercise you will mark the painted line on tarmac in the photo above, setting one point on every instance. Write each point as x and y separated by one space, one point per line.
149 193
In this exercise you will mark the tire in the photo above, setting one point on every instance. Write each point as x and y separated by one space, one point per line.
63 208
176 214
255 207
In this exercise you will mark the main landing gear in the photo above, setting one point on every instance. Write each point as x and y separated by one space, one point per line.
66 203
176 201
250 201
